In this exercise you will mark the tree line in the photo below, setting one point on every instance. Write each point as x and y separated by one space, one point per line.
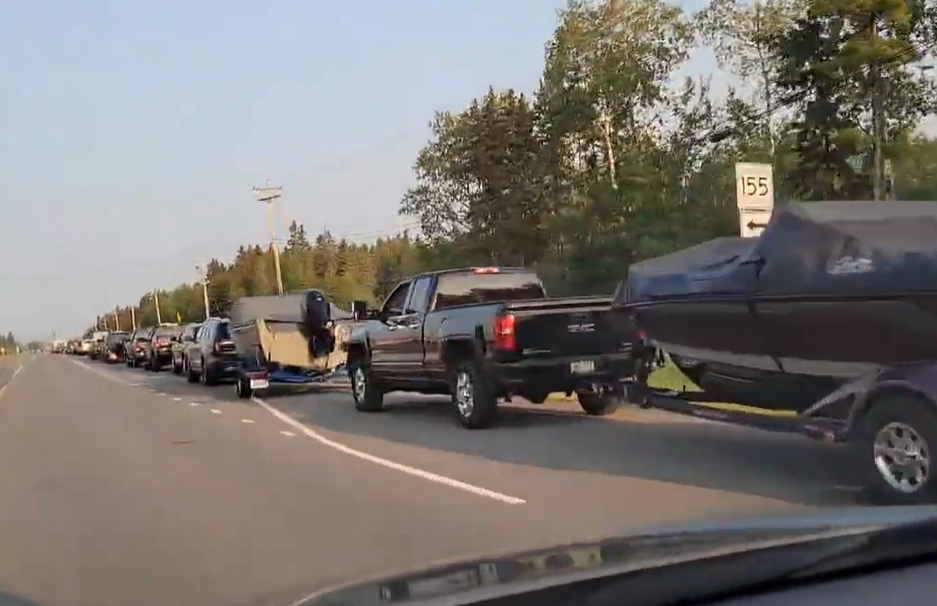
612 159
8 344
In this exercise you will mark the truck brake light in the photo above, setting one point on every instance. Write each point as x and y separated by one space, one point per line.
485 270
504 337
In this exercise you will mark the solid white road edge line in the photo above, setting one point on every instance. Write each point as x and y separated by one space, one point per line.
413 471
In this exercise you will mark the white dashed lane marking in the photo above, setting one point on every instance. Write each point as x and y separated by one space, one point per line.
247 420
177 399
215 411
288 434
194 404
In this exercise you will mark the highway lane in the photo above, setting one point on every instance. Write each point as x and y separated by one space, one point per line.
9 366
540 442
123 487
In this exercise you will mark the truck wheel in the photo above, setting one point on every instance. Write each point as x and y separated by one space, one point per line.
473 398
366 392
243 388
597 404
895 450
208 377
190 375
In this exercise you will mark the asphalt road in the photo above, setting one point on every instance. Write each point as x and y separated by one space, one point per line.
119 486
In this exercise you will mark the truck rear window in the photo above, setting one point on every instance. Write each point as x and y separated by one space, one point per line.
471 289
223 333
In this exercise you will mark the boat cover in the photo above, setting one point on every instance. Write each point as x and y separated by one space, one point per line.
814 248
274 325
287 307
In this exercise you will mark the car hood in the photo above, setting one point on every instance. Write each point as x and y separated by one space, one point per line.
508 572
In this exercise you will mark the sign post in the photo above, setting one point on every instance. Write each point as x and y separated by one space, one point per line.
754 191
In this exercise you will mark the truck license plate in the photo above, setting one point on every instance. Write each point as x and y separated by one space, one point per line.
582 367
260 383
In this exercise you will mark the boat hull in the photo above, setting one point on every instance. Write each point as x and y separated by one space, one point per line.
787 354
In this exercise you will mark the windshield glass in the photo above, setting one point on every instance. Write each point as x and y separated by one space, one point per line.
616 266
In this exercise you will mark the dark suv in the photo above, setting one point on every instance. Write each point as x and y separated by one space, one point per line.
212 357
136 347
159 348
180 348
114 347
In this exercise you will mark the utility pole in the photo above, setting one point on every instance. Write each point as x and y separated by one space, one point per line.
117 318
203 278
878 116
159 317
133 316
268 195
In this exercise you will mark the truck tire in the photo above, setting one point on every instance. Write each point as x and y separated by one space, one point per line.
367 393
894 448
473 398
597 404
208 378
190 375
243 388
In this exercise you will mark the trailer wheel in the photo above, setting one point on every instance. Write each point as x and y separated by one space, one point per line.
896 445
473 398
597 404
366 392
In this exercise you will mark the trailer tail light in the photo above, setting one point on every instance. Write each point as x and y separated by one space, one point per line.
504 337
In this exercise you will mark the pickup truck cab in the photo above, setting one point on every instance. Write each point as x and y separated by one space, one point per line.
489 333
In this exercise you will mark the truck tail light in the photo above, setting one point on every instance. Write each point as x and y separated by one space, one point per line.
224 347
504 337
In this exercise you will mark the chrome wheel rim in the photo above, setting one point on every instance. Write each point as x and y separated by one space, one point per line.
359 384
464 394
902 457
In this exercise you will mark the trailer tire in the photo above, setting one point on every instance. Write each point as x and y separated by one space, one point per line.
473 398
366 392
909 424
597 404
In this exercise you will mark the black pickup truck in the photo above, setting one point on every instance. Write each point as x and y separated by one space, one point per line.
482 334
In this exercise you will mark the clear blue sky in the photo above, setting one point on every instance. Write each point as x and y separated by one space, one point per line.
132 132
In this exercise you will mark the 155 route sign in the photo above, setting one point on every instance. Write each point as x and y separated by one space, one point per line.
754 191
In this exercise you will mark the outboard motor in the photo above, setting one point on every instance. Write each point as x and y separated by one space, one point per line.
317 324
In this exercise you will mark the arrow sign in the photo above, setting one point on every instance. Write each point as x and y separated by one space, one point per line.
753 225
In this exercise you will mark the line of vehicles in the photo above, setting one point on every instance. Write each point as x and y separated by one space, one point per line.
831 312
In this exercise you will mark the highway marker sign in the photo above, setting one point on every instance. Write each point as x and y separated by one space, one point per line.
754 196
